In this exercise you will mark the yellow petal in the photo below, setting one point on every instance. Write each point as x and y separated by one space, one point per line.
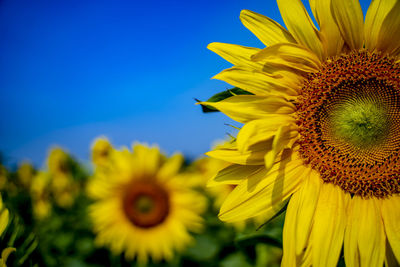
364 242
236 54
147 158
391 219
284 137
298 221
389 35
331 38
244 108
171 166
233 174
289 55
350 20
263 193
390 259
329 225
260 130
377 12
259 83
306 206
3 220
300 25
255 155
289 257
267 30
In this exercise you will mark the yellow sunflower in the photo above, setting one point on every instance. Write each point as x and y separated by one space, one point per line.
142 206
100 150
321 130
25 174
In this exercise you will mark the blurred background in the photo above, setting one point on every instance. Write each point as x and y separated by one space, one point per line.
129 70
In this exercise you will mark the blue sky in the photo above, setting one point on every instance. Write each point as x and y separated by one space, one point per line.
129 70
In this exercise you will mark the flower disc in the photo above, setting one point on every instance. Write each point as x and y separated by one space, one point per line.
349 118
146 204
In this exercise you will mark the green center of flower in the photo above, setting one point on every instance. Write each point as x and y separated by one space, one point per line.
144 204
349 120
363 124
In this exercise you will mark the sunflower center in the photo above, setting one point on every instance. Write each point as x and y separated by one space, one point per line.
362 124
349 120
146 204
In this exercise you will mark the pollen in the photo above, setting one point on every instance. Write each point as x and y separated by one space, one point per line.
349 119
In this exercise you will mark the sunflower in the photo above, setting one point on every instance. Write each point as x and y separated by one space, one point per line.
25 173
100 150
142 206
321 130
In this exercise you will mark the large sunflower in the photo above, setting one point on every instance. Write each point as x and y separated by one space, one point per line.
142 206
321 130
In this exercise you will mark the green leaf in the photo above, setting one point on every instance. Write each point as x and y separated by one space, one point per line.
235 260
205 248
253 239
221 96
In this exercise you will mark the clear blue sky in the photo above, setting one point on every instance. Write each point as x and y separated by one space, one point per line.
74 70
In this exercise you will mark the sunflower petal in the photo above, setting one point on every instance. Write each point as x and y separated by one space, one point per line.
350 21
290 55
391 220
4 216
377 12
258 82
261 130
267 30
364 242
283 138
148 159
255 156
236 54
306 206
330 36
298 223
329 225
233 174
264 192
289 257
244 108
171 166
390 259
388 40
300 25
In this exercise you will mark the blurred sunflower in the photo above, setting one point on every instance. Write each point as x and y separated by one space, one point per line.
321 127
142 206
101 148
4 216
4 220
62 185
40 194
25 173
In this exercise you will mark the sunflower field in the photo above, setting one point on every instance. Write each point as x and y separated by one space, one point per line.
135 208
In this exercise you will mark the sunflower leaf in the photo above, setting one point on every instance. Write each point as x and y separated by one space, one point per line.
221 96
254 239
